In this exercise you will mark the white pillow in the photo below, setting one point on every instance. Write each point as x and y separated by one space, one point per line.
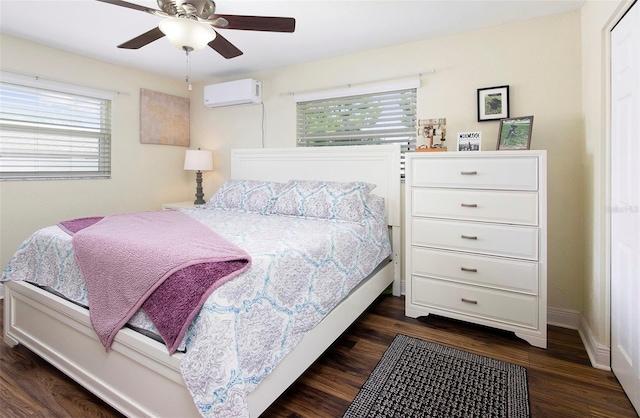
246 196
323 199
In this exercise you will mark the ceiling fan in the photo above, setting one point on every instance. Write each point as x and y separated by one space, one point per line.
189 25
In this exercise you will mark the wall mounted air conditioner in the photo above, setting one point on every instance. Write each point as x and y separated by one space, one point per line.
238 92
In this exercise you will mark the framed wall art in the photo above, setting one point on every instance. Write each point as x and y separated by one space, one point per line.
164 119
515 133
493 103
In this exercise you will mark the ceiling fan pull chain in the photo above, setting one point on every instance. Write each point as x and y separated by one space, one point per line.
188 67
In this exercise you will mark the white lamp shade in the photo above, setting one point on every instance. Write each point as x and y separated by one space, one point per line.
200 160
183 32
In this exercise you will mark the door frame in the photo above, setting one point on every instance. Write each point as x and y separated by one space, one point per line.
622 9
621 12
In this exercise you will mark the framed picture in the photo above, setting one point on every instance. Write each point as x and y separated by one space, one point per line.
493 103
515 133
164 119
469 141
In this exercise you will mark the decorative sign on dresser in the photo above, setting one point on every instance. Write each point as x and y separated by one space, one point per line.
476 239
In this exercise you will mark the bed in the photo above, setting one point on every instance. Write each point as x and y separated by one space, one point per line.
137 376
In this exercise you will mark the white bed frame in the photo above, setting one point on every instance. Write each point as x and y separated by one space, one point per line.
138 377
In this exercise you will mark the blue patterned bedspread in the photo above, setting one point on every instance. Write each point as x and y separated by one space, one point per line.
302 268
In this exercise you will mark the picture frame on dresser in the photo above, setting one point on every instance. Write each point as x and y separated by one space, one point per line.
493 103
515 133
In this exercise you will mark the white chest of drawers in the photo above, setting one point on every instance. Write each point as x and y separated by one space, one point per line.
476 239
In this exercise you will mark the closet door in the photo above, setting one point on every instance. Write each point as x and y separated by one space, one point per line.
625 203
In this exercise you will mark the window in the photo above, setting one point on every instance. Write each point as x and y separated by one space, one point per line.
369 118
53 134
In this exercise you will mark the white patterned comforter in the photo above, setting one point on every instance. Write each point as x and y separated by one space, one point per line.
301 270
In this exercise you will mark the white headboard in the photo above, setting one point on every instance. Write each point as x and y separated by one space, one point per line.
377 164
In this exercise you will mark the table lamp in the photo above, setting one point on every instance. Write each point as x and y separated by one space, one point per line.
200 161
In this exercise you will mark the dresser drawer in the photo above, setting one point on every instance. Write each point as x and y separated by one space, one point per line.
479 205
512 308
500 273
512 173
492 239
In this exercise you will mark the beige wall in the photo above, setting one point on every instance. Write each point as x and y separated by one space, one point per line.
143 176
539 59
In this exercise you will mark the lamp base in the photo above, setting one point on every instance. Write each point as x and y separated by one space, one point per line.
199 195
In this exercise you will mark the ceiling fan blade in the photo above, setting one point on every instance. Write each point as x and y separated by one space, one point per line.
261 23
130 6
224 47
142 40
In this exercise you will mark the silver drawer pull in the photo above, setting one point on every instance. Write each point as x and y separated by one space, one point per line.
468 173
469 270
468 237
473 302
469 205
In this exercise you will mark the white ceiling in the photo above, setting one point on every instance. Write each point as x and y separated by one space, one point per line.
323 29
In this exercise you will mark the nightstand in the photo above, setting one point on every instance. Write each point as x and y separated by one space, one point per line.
178 205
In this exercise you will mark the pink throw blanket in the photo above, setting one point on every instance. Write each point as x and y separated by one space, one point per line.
165 262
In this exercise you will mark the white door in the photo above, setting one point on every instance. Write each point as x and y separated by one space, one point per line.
625 203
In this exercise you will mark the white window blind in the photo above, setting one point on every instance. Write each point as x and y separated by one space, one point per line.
372 118
53 134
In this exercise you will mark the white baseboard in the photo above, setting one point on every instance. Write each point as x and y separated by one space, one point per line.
564 318
599 354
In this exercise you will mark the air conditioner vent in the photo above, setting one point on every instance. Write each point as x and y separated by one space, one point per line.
232 93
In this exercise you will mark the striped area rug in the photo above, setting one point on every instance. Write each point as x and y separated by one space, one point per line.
417 378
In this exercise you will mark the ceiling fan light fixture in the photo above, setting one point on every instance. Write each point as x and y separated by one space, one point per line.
187 34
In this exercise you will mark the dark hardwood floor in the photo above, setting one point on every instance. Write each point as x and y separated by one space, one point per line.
562 382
